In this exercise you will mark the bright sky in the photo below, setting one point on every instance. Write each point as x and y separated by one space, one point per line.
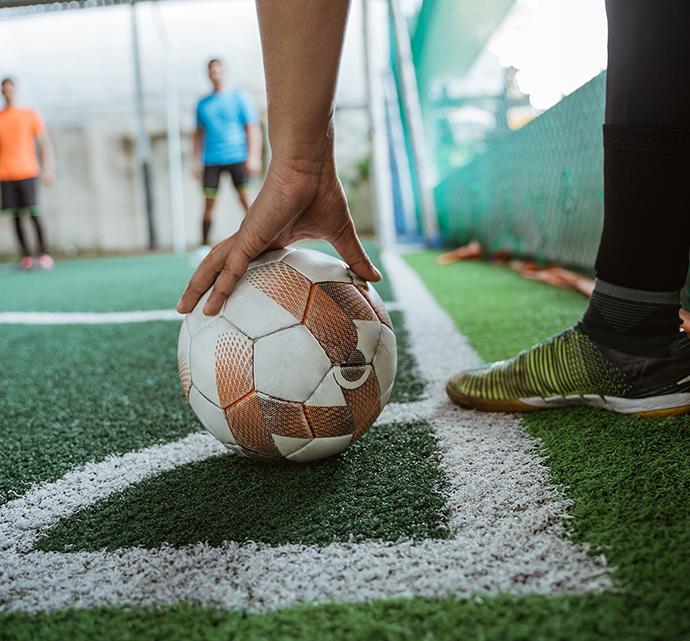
557 45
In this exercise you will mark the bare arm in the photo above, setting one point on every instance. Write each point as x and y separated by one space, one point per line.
302 197
198 142
47 156
255 143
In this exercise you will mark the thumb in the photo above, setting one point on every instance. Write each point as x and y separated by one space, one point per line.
347 244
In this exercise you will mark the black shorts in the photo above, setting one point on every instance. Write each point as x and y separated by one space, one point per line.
18 194
212 174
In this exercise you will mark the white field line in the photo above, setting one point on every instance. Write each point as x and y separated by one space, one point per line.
504 514
100 318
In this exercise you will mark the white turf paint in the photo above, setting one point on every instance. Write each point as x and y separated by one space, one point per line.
101 318
87 318
505 519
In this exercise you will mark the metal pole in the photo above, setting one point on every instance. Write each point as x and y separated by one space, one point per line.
143 146
172 114
383 189
413 116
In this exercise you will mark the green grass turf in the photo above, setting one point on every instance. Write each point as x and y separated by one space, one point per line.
153 281
386 486
629 479
72 394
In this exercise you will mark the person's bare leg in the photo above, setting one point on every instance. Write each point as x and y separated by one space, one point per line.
207 220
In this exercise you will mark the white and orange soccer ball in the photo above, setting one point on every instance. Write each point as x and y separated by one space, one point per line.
298 364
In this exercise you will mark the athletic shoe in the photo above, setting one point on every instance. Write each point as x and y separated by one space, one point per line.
570 369
26 263
46 261
199 255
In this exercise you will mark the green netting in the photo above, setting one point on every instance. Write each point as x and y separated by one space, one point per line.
537 191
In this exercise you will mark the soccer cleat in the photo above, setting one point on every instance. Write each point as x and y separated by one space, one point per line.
45 261
570 369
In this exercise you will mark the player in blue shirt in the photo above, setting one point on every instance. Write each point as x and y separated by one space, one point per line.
228 139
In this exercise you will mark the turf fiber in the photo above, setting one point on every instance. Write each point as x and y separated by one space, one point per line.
629 479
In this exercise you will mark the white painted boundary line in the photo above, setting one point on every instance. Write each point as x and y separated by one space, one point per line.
100 318
87 318
505 519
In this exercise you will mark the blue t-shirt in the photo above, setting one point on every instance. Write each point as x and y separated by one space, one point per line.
223 116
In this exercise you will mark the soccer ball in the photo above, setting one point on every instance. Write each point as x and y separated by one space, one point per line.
297 365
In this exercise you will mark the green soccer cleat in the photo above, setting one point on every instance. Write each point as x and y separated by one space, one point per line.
570 369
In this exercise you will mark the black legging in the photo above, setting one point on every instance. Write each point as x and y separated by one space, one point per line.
646 238
21 236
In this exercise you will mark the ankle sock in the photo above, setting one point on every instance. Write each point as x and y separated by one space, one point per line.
632 321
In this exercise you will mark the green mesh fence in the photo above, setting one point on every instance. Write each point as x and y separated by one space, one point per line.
537 191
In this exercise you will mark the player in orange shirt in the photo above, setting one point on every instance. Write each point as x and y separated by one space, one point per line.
21 132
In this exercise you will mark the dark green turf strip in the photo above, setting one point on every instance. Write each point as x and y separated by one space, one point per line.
386 486
629 477
409 384
72 394
153 281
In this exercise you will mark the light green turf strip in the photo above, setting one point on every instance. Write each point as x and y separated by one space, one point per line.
386 486
113 284
654 606
72 394
629 477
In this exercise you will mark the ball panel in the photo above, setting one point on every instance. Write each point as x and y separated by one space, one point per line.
331 326
284 419
211 417
328 393
321 448
379 307
329 421
368 333
273 256
196 319
184 344
234 366
287 445
284 285
364 403
247 425
203 357
317 266
385 362
350 300
289 364
255 313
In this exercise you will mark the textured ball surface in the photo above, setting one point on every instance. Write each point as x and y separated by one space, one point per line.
298 364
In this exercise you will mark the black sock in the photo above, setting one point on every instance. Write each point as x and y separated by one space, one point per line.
21 238
205 229
632 321
40 238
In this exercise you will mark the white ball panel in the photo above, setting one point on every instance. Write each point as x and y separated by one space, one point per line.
386 362
288 444
203 357
321 448
184 343
328 393
368 333
211 417
273 256
196 319
289 364
317 266
254 313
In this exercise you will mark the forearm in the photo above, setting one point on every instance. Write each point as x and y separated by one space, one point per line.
302 42
196 147
47 155
254 142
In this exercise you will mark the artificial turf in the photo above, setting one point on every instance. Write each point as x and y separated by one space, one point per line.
114 284
629 479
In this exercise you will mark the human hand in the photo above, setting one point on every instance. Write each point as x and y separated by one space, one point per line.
47 177
198 172
253 166
297 201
